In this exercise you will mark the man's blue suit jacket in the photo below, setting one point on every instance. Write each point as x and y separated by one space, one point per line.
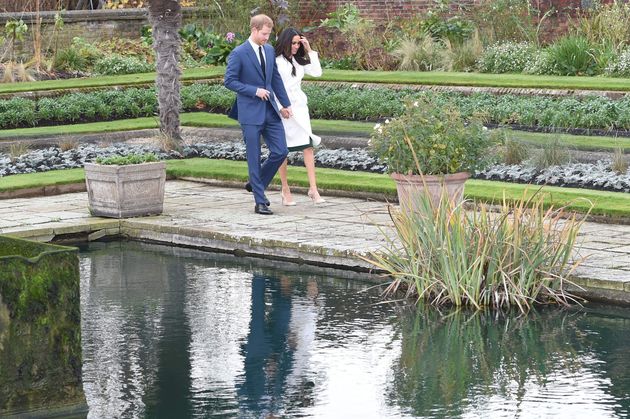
244 75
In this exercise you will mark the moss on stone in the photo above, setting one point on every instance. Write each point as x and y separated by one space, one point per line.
40 351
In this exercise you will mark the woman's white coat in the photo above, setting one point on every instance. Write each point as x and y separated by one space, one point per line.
298 127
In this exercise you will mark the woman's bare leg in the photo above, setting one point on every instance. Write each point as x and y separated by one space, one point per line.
309 163
286 190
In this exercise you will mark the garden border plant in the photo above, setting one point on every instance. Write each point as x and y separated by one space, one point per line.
446 255
333 102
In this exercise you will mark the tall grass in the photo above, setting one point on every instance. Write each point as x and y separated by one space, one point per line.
445 255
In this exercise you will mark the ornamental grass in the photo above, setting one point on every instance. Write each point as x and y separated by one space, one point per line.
516 255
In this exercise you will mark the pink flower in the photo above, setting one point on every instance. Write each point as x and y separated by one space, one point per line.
230 36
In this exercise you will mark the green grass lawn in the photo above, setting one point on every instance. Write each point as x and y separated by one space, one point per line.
105 81
476 79
320 126
192 119
397 77
610 204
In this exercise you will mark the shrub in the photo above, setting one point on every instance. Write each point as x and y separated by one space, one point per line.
431 139
118 64
506 20
513 151
421 54
619 163
619 67
553 153
17 112
69 59
606 25
574 56
464 56
542 63
446 255
507 57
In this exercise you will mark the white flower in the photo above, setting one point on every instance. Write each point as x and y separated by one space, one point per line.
377 126
387 121
415 104
485 128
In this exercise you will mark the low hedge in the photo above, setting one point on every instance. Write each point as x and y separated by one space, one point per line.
326 102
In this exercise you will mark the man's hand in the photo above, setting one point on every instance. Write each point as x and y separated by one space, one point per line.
286 113
262 93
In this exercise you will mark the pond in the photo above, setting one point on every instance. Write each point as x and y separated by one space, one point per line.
177 333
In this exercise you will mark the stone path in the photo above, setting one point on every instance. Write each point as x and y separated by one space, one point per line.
336 233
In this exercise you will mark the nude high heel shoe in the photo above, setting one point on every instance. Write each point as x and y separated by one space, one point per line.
286 202
315 197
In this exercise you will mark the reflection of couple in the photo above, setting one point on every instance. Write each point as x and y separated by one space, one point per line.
277 350
267 88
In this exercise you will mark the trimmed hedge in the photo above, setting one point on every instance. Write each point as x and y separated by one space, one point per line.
326 102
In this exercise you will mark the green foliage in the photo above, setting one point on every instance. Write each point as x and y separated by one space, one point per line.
88 51
619 162
430 138
607 25
441 24
553 153
341 102
573 56
419 54
363 42
507 57
15 29
69 59
620 66
514 152
446 255
119 64
17 112
345 18
463 56
128 159
205 44
506 20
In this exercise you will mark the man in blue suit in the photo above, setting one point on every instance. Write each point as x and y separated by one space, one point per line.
251 73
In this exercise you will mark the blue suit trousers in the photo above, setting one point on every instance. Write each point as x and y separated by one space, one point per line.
272 131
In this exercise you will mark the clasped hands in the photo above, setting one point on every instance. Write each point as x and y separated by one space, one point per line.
264 95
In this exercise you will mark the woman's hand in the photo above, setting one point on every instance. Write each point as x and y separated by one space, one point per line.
307 46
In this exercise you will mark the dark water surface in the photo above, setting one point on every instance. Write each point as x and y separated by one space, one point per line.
176 333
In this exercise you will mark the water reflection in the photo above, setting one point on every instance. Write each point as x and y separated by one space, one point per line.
179 333
544 364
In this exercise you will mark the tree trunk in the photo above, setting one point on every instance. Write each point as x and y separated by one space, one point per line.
166 18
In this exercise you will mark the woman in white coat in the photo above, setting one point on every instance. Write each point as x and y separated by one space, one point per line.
294 58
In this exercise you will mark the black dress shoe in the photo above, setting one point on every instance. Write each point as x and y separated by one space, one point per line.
248 188
262 209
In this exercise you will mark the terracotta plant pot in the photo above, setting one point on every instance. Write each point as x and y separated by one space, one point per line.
409 187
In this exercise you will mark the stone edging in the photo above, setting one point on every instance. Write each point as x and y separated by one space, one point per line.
348 260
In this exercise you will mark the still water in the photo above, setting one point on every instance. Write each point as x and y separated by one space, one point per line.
177 333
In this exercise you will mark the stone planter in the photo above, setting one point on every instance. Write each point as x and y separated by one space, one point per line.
132 190
409 187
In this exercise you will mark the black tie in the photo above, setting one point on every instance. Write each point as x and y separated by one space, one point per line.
262 61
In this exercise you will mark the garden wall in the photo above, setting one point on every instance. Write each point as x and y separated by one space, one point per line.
92 25
384 10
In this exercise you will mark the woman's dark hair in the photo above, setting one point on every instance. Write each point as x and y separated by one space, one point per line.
283 47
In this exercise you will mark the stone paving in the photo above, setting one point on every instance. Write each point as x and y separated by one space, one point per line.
336 233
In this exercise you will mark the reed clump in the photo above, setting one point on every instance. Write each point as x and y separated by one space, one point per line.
516 255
